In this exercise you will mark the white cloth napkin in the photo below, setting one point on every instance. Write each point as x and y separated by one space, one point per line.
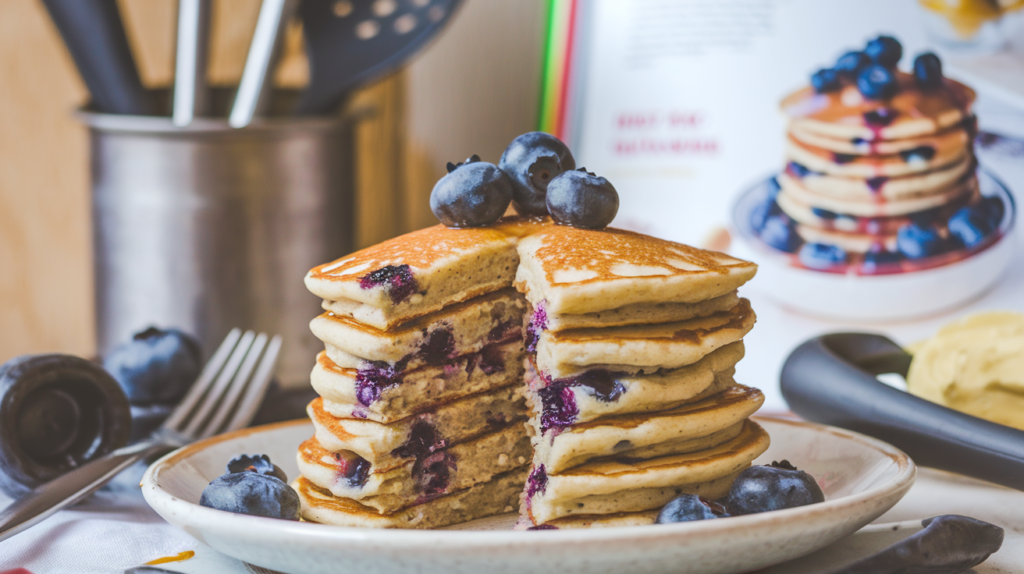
109 532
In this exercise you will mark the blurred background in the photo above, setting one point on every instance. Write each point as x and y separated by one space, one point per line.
675 101
448 103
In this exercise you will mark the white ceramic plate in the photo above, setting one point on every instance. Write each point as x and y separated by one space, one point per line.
938 285
860 476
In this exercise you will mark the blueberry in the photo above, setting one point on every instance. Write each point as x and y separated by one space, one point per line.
928 70
780 233
916 242
252 493
258 463
971 225
850 63
472 194
761 212
798 169
825 80
873 260
877 83
821 256
824 213
582 199
532 160
156 366
765 488
885 51
994 209
690 507
398 281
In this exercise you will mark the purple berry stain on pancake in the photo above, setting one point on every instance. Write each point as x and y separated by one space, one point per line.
396 279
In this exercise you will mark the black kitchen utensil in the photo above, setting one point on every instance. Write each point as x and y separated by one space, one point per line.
94 34
831 379
57 412
350 42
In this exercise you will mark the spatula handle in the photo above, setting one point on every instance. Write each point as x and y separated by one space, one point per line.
831 379
94 34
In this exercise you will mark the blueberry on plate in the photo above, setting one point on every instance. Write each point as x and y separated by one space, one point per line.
825 80
971 225
764 488
252 493
532 160
258 463
928 70
156 366
884 51
916 242
850 63
780 233
761 212
473 193
873 260
821 255
877 83
690 507
582 199
994 210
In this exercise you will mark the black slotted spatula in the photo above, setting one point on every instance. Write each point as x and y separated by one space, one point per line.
350 42
831 379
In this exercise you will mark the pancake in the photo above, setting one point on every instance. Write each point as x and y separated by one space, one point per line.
420 272
641 348
849 242
389 445
430 475
877 208
580 271
829 221
385 396
496 496
639 485
432 339
905 163
559 448
959 135
602 393
606 509
886 187
637 314
912 112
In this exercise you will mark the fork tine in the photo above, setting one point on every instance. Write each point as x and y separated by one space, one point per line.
238 384
257 389
213 398
202 383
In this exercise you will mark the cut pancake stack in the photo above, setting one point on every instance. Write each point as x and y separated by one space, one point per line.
420 419
859 169
632 343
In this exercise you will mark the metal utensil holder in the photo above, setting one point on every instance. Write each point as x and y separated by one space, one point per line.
208 227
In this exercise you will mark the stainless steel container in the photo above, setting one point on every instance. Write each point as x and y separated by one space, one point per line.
208 227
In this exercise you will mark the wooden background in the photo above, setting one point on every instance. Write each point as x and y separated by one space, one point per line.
471 91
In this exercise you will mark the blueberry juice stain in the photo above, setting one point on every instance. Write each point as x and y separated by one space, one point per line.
559 409
397 280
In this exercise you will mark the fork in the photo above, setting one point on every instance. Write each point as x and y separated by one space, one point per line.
223 398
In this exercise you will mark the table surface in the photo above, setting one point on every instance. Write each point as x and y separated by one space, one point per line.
115 530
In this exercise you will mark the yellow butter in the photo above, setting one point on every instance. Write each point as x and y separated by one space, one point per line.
976 366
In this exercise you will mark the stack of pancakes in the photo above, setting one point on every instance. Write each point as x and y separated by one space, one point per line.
859 169
632 343
420 419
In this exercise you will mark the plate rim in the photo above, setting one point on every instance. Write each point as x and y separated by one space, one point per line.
466 540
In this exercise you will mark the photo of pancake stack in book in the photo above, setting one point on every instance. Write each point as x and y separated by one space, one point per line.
420 420
632 343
